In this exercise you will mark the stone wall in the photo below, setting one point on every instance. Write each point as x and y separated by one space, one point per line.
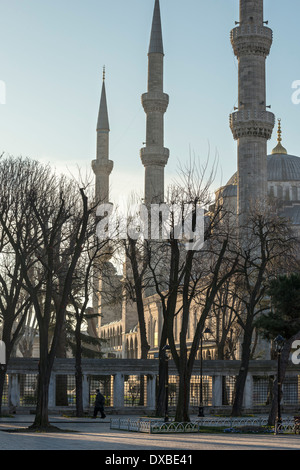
123 379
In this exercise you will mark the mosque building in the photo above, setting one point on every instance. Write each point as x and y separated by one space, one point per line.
258 175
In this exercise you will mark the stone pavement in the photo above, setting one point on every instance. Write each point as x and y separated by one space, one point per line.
89 434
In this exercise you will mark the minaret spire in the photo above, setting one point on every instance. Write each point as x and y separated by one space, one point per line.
252 124
103 122
279 149
102 166
154 155
156 41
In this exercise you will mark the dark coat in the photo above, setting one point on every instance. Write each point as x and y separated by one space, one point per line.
100 400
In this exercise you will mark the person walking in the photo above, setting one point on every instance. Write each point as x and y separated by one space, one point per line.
99 405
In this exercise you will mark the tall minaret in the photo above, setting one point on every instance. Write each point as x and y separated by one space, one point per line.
251 124
155 102
102 166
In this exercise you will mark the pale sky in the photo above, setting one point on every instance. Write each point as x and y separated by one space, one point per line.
52 54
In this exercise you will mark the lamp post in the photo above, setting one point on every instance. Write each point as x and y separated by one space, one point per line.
279 343
206 333
165 350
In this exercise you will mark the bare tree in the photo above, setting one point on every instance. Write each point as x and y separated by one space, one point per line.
224 320
52 224
83 289
14 299
28 334
263 254
184 274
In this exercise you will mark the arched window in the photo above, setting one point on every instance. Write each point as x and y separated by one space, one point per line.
149 332
294 193
279 191
287 194
155 335
131 349
195 320
121 335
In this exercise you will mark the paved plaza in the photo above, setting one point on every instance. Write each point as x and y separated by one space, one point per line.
88 434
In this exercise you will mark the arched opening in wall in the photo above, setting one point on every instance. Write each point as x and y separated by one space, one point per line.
155 335
279 191
287 194
294 193
149 333
131 351
175 327
136 349
195 320
113 338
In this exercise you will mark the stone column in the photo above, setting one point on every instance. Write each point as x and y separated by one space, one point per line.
248 393
217 390
13 392
118 390
151 391
52 391
85 391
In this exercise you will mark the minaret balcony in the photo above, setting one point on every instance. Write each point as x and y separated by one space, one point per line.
251 39
252 122
102 167
153 155
155 102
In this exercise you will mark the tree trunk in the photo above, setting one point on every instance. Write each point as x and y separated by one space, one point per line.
42 414
79 394
182 409
62 380
41 417
242 376
161 392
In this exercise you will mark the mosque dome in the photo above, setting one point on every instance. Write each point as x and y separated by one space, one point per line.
283 172
282 166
